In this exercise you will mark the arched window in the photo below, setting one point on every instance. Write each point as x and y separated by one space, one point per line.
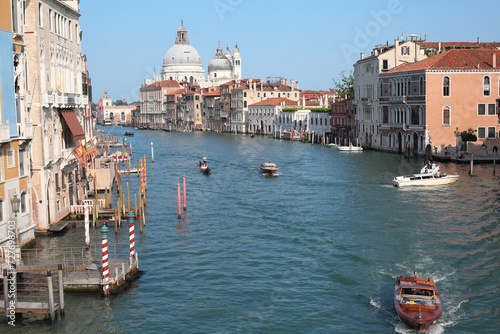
421 86
486 86
446 86
245 103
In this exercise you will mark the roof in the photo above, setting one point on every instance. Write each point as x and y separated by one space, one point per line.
468 45
120 107
456 59
214 93
164 83
276 101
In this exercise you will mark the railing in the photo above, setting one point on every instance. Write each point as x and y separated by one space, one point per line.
79 209
25 130
397 99
85 100
4 132
48 98
71 98
67 154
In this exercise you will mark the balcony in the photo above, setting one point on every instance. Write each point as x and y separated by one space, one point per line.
25 130
4 133
67 155
85 101
398 99
47 99
71 98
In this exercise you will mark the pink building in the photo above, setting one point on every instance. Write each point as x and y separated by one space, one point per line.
432 101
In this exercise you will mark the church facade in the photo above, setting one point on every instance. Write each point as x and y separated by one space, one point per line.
183 63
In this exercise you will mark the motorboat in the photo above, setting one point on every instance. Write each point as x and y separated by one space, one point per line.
350 148
417 301
129 133
429 176
332 145
268 168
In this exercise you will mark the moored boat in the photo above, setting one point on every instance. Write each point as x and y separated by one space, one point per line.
268 168
429 176
332 145
129 133
350 148
417 301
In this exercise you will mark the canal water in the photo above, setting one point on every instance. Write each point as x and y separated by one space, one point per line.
313 250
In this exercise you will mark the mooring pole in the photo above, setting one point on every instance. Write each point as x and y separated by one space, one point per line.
61 289
51 296
152 153
131 235
178 200
105 266
184 191
86 214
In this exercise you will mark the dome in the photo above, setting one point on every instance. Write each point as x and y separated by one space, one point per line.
219 63
182 54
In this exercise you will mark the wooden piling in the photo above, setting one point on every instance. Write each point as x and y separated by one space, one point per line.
135 203
6 294
143 211
95 184
128 197
494 160
61 289
116 221
118 206
93 213
51 296
471 170
105 197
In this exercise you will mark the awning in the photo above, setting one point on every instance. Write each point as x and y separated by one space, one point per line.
73 123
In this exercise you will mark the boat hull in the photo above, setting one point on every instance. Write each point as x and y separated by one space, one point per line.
406 181
417 301
350 148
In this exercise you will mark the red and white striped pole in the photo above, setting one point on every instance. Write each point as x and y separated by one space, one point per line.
86 214
184 191
178 200
131 235
105 266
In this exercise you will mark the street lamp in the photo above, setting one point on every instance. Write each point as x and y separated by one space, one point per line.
15 201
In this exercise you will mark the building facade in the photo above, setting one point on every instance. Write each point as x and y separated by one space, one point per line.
434 100
16 129
262 116
58 108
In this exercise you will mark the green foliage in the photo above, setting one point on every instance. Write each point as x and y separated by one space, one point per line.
344 85
120 103
468 135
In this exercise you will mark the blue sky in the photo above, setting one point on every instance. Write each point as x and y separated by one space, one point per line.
309 41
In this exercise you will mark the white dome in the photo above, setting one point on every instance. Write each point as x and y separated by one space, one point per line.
182 54
219 63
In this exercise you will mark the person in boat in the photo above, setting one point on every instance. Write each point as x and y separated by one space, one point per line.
428 166
447 150
205 159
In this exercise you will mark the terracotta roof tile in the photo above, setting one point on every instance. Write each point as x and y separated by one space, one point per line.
275 102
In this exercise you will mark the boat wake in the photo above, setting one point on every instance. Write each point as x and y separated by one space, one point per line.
375 303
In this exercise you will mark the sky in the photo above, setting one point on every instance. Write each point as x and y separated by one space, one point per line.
308 41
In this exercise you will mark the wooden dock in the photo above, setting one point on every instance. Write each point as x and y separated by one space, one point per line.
30 307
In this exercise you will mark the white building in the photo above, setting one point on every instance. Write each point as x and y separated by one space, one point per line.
183 63
262 116
367 85
307 120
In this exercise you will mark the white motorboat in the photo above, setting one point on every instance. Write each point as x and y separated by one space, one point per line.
268 168
429 176
350 148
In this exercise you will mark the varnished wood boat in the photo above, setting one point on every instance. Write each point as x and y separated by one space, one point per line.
417 301
205 169
268 168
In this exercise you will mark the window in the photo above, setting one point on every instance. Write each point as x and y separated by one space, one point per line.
481 109
422 87
446 116
385 65
11 163
486 86
51 26
23 202
57 181
40 15
491 109
21 162
481 132
491 132
446 86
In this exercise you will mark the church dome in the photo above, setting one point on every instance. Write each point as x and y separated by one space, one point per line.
182 54
219 62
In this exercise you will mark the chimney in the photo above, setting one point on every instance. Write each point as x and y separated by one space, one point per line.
296 85
396 52
439 47
479 40
362 55
286 81
291 83
494 60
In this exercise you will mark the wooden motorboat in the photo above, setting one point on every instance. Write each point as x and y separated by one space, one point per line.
429 176
268 168
129 133
417 301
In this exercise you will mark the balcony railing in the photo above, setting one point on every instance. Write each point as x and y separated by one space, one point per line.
4 133
25 130
48 98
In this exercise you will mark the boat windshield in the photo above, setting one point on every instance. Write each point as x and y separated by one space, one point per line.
418 296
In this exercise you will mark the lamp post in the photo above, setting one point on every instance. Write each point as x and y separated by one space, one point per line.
15 201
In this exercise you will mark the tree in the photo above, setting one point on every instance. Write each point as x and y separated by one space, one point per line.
120 103
468 135
344 85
